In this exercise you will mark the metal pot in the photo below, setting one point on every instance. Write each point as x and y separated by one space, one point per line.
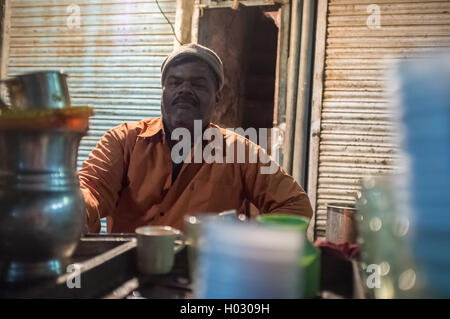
341 223
42 209
38 90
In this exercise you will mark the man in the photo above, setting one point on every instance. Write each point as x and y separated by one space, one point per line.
133 176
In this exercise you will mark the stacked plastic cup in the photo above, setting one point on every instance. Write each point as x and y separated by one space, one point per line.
310 259
244 260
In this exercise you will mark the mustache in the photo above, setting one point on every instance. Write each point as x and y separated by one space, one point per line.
184 99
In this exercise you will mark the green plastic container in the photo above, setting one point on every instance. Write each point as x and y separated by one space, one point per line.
310 261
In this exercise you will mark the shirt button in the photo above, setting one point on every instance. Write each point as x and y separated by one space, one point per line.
161 214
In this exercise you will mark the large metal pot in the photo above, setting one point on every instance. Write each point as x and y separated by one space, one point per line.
41 206
42 210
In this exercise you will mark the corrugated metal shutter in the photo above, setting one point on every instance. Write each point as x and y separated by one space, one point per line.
113 59
356 135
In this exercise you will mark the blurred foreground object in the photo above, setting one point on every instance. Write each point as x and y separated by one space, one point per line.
387 268
310 259
424 99
42 206
404 225
244 260
193 228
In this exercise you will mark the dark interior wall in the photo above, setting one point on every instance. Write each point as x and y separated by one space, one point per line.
246 41
261 57
224 31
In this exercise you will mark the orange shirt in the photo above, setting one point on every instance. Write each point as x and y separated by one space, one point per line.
129 173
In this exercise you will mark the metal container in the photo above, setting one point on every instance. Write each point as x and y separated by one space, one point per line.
38 90
41 205
42 211
341 223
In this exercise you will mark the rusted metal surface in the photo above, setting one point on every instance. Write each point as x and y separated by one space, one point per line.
356 135
6 26
113 57
229 4
316 109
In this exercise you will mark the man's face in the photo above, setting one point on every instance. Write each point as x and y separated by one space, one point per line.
189 93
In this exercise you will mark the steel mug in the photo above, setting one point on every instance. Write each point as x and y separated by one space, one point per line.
156 248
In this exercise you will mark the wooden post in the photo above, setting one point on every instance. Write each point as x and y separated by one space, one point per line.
279 116
183 21
194 24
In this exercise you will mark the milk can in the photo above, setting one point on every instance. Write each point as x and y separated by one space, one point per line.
41 207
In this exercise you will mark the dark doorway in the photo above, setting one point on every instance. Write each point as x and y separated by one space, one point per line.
246 40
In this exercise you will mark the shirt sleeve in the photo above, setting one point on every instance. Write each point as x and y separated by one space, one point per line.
101 177
271 189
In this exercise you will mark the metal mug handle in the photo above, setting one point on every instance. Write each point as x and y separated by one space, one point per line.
180 242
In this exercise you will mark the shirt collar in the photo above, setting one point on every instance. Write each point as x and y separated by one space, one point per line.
154 126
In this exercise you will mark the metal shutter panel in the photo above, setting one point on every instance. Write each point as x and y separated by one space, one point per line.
356 128
113 59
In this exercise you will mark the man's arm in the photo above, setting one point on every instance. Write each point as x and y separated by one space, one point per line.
101 176
273 191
